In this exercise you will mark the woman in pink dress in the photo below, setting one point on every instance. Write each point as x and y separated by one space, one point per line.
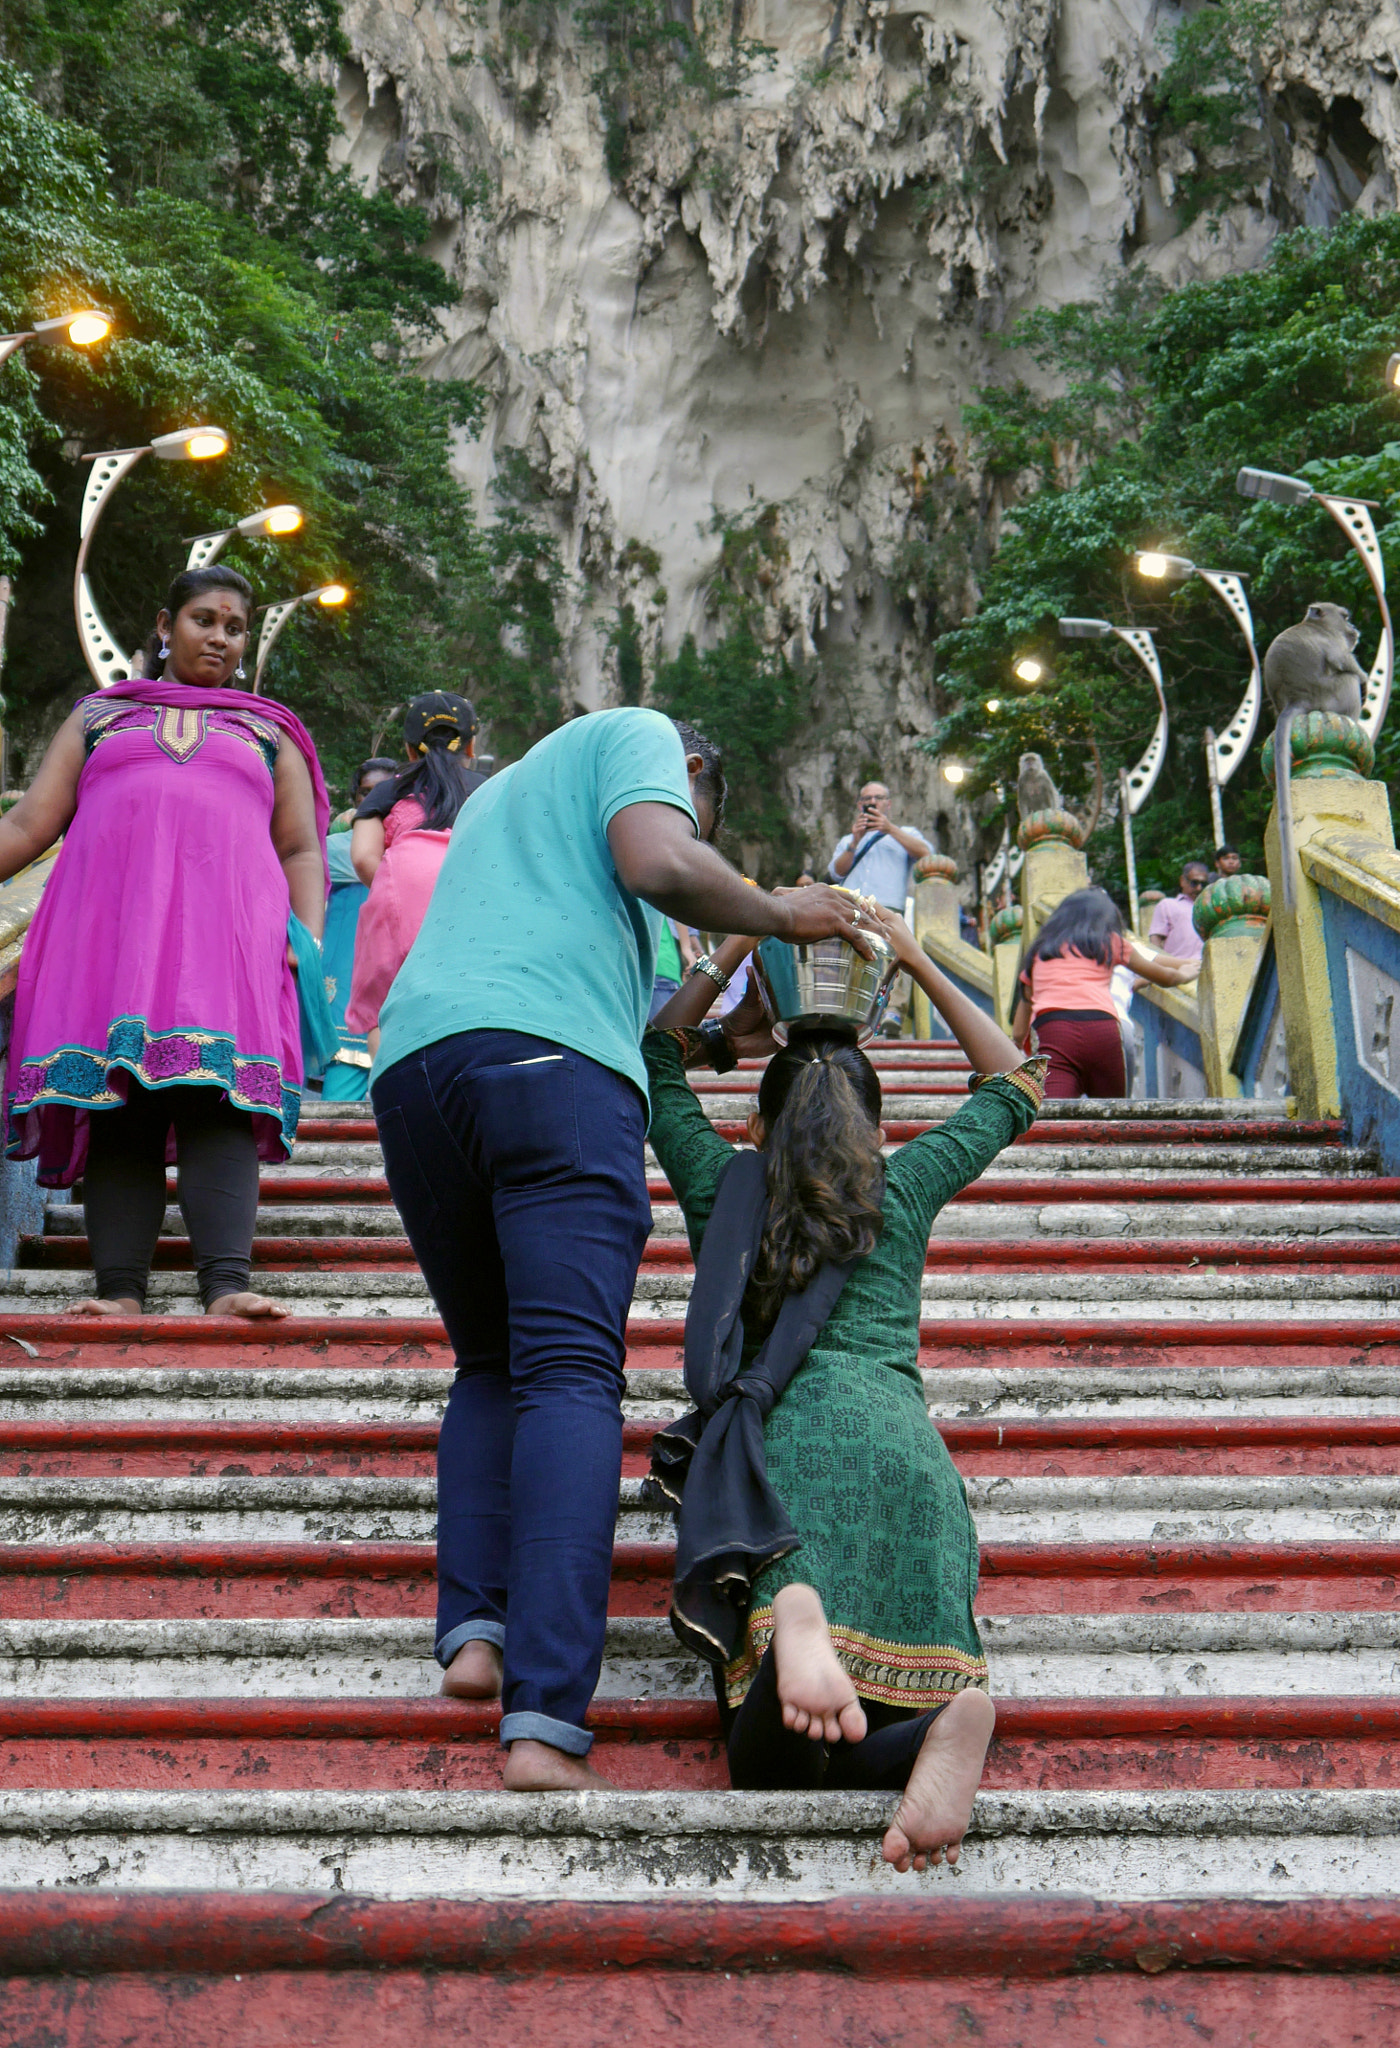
399 842
156 1015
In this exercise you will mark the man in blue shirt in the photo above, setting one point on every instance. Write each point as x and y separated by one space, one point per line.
510 1095
877 857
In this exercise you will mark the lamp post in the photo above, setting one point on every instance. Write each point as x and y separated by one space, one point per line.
276 616
82 329
1135 785
1223 756
274 522
1353 515
190 444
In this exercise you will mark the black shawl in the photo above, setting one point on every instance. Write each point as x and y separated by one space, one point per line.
709 1466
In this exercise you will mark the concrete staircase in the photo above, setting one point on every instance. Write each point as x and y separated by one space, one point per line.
1161 1342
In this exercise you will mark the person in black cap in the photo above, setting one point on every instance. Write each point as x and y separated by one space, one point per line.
399 841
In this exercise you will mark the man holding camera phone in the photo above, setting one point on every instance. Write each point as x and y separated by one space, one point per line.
877 857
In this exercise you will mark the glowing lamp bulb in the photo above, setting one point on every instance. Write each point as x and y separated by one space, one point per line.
1152 565
86 328
1028 669
954 772
994 704
283 519
204 447
334 593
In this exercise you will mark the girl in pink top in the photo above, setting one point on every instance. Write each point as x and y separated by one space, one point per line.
400 841
1067 994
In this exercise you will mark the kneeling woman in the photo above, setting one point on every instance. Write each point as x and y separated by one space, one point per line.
833 1591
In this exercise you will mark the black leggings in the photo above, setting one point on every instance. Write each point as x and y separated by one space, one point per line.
764 1756
124 1188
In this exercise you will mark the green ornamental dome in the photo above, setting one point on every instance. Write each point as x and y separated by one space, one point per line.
1005 923
935 867
1236 903
1324 743
1042 825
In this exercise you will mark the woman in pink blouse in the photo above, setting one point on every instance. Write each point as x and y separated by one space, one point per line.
1066 996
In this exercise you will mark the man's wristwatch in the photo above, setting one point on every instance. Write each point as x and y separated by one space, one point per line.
718 1051
705 965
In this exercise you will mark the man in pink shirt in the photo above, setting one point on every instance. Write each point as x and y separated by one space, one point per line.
1172 926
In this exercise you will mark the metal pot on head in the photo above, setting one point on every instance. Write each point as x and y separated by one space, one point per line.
825 984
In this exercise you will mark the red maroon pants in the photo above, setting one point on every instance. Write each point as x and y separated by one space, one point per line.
1086 1053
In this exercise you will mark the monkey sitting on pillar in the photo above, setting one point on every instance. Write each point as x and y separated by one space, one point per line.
1309 667
1035 791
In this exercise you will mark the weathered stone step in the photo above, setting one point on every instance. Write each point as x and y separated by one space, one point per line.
356 1234
902 1969
1076 1655
68 1447
401 1293
650 1745
1049 1155
214 1581
1354 1387
1123 1845
1164 1508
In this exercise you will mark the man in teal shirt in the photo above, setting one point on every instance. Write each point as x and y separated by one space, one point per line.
510 1095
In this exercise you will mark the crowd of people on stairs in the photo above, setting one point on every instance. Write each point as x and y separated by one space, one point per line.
508 963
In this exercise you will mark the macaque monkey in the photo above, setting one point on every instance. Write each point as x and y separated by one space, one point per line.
1309 667
1035 791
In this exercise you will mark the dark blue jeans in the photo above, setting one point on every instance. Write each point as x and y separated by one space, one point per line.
518 1169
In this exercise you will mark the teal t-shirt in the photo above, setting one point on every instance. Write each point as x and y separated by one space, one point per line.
529 928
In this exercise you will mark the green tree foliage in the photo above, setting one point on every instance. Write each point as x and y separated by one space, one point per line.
1160 400
254 287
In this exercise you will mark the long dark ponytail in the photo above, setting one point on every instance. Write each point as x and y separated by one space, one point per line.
442 781
820 1104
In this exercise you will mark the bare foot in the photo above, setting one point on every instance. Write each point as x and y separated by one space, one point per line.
474 1673
932 1817
817 1695
91 1306
250 1305
539 1767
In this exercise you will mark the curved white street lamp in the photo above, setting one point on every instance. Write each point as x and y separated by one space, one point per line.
274 522
1353 515
190 444
82 329
1223 755
1135 785
276 616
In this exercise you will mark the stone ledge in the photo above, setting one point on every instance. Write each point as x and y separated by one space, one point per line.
1359 868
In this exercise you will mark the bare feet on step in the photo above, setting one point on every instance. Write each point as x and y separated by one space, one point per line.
474 1673
817 1695
250 1305
539 1767
931 1819
91 1306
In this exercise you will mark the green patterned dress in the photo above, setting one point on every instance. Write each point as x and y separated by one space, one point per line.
887 1538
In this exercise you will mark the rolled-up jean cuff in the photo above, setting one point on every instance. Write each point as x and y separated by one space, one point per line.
540 1728
469 1632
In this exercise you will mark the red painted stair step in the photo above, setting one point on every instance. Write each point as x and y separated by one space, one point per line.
232 1579
442 1744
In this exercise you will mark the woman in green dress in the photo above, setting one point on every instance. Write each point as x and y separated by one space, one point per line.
854 1660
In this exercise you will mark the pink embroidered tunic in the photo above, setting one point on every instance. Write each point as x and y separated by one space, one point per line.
159 948
398 903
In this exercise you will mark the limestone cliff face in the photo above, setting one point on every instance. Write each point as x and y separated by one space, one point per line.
782 293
